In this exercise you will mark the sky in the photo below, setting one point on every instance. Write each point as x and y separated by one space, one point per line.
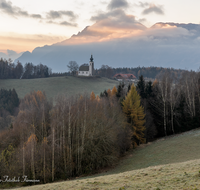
26 25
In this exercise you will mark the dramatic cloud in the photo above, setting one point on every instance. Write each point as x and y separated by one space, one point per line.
8 8
125 28
59 14
114 24
115 4
153 9
116 19
123 22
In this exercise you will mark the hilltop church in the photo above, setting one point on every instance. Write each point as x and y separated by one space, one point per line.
87 69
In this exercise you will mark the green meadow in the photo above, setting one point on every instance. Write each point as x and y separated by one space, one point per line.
58 85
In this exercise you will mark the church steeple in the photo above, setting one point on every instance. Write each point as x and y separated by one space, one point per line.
91 66
91 59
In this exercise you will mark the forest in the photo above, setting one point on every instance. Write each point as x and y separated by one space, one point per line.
83 134
9 103
10 70
147 72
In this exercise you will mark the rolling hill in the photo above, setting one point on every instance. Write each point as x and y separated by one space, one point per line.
58 85
168 163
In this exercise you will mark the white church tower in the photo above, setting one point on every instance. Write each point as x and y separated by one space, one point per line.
91 66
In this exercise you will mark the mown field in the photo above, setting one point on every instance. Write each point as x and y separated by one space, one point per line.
58 85
168 163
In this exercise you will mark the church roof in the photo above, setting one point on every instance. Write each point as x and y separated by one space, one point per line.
84 67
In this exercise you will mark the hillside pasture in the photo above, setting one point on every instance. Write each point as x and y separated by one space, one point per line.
58 85
168 163
168 150
181 176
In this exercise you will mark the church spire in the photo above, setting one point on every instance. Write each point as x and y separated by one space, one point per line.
91 59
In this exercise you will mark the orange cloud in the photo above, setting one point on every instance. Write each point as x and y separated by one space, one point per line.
21 42
107 29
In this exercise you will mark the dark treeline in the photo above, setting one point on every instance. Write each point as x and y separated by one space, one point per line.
58 74
35 71
172 105
9 70
147 72
9 103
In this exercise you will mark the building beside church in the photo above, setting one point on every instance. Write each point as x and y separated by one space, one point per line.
127 77
87 69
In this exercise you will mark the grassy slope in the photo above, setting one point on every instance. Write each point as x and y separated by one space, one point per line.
181 176
174 149
143 168
54 85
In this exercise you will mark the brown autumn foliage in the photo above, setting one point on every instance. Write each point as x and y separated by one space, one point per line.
92 96
114 91
109 92
74 137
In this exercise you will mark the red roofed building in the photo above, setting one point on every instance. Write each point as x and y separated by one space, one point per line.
120 77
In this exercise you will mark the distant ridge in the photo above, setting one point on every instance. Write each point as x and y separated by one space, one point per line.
168 44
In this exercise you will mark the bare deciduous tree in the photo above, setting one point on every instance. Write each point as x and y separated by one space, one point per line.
73 67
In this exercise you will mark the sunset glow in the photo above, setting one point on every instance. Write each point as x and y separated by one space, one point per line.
21 43
27 25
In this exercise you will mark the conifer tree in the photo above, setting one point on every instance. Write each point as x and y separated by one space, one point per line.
114 91
92 96
97 98
119 89
135 115
109 92
141 87
148 89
